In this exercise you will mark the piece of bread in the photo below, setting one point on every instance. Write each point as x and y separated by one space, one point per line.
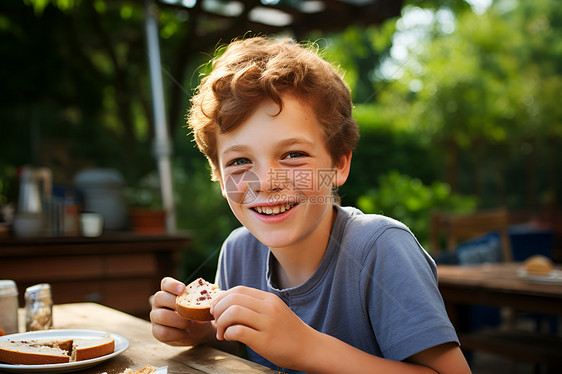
31 353
52 351
538 265
145 370
195 301
85 349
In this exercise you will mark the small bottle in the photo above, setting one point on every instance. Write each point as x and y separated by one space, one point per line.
70 217
8 307
38 307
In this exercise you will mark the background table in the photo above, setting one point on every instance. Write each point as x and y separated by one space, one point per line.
144 349
499 285
119 269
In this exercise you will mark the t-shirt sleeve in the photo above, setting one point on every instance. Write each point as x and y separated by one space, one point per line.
403 301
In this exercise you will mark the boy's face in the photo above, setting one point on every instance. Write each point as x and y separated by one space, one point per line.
277 174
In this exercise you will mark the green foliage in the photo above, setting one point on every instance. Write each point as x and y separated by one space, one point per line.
411 202
357 51
385 145
487 89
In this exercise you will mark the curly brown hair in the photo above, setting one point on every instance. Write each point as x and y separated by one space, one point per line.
256 69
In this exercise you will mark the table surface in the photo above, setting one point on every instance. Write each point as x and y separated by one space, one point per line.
144 349
498 284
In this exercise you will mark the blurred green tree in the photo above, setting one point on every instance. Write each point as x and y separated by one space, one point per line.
411 201
483 93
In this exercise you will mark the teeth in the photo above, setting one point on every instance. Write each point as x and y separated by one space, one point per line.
273 210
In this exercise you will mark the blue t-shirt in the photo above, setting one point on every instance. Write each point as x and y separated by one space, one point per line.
375 288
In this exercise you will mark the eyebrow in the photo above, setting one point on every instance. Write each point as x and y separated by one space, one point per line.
295 141
235 148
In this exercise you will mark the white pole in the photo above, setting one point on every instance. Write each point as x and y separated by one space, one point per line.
162 148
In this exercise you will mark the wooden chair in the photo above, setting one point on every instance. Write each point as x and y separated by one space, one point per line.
465 227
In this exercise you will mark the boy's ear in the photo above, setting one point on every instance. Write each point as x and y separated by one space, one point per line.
223 191
342 167
217 177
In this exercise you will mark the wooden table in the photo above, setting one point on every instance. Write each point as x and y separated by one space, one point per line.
144 349
118 269
499 285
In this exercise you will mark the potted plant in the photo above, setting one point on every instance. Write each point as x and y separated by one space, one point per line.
146 214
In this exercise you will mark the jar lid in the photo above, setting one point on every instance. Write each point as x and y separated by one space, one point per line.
39 291
8 288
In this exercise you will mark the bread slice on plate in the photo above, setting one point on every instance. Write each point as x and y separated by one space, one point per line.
32 352
52 351
195 301
85 349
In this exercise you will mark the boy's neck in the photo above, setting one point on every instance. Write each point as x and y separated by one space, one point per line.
296 264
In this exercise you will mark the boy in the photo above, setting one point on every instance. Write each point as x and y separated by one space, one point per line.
312 286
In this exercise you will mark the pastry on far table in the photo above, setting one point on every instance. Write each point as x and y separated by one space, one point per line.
538 265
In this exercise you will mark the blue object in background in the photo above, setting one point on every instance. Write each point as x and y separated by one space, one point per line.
528 240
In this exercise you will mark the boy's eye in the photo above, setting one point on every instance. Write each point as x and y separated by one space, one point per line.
238 162
294 155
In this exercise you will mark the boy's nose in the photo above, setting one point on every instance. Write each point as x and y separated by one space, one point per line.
273 179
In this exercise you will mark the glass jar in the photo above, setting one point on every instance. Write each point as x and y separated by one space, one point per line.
8 307
38 307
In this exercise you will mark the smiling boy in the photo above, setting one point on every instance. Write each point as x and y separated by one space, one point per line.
311 286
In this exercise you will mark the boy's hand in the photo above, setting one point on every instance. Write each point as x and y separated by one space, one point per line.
168 326
262 321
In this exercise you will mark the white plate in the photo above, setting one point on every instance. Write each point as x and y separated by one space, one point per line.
121 344
555 277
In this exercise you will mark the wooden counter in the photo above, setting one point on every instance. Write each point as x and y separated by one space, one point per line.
119 269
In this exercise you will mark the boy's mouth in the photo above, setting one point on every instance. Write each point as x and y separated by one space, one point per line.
274 210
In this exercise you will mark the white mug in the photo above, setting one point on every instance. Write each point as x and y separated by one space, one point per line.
91 224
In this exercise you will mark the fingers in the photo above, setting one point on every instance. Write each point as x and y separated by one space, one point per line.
237 315
252 292
241 333
172 285
168 326
169 335
237 296
164 305
240 307
167 317
166 298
